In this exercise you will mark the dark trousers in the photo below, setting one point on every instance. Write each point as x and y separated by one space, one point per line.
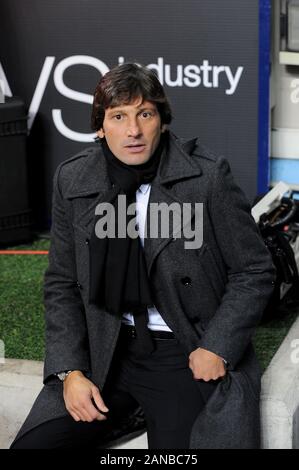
163 385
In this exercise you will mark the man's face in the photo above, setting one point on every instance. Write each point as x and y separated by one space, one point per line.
132 131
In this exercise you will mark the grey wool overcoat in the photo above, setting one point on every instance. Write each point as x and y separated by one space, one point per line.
230 278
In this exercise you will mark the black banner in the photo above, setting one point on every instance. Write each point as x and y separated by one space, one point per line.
206 53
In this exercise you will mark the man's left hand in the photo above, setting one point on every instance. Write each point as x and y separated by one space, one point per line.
206 365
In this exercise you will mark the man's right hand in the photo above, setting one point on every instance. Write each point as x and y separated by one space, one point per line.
78 392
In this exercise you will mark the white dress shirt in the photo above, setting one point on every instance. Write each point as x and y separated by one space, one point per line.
155 322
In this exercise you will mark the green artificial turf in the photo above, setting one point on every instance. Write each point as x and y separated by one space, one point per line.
21 309
269 336
22 313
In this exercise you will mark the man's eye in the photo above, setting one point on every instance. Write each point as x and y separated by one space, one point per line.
146 114
118 117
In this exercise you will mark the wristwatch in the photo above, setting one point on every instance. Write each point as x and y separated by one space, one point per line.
63 375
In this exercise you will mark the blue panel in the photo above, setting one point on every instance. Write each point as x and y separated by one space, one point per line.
264 84
285 169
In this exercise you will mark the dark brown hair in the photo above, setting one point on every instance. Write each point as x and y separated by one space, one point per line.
122 85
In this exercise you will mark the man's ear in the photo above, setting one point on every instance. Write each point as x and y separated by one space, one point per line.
163 128
101 133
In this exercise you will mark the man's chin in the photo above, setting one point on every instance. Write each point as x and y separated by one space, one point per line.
135 159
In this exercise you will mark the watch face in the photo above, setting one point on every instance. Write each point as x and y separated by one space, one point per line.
63 375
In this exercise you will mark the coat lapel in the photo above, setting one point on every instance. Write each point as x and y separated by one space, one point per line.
176 165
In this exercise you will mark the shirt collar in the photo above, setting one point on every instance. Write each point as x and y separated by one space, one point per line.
144 188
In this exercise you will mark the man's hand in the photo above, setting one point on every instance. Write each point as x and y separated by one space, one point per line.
78 392
206 365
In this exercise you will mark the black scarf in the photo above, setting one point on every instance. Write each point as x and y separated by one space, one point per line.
118 276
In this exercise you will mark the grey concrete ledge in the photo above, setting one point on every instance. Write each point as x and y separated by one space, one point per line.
20 383
280 396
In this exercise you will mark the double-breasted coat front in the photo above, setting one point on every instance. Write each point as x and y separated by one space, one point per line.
211 297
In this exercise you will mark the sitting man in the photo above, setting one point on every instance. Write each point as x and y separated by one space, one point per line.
136 318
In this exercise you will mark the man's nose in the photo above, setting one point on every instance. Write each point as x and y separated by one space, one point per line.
134 129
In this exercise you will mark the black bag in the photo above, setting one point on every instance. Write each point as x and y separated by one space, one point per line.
280 231
15 214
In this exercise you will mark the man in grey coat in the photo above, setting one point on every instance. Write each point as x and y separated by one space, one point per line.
141 318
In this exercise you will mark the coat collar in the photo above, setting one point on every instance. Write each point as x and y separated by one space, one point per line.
176 164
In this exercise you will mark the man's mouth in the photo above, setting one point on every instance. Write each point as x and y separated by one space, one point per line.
135 148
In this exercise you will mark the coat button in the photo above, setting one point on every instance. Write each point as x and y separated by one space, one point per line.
79 285
186 281
87 241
